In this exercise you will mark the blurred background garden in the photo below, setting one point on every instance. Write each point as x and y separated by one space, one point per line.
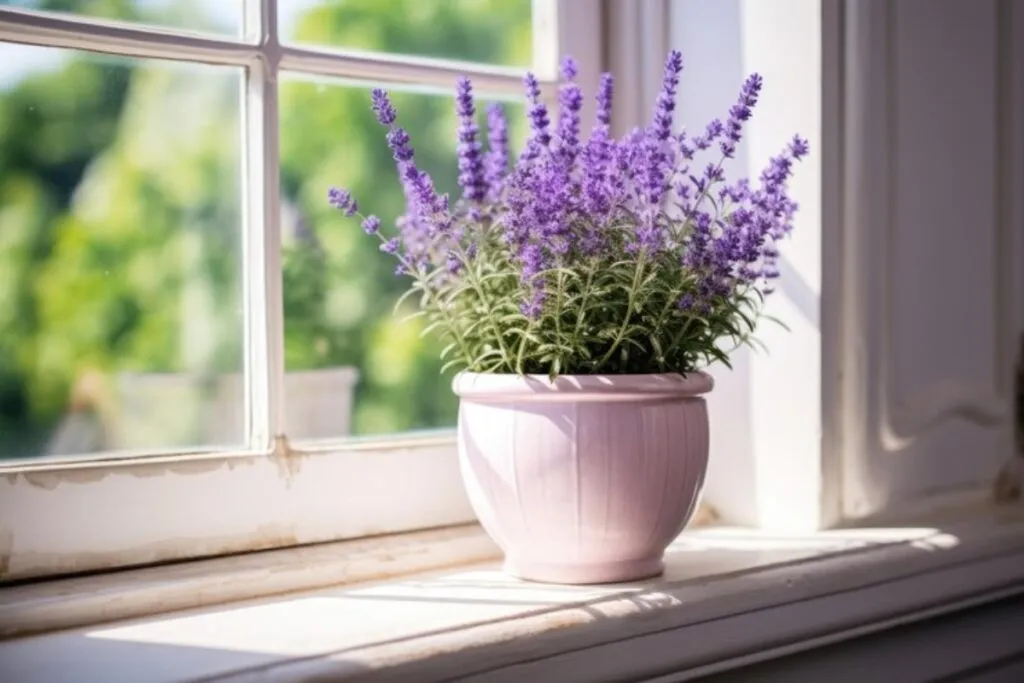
121 262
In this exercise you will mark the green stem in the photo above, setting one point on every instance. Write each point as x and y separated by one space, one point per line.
522 348
637 277
558 315
450 321
583 306
682 333
471 274
673 297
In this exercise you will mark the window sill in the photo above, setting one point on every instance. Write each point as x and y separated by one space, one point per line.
729 597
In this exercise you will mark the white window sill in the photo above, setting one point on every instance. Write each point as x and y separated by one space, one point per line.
729 597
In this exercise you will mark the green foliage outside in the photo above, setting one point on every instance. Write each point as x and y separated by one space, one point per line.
121 219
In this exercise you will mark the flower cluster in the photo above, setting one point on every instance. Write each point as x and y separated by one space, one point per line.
596 255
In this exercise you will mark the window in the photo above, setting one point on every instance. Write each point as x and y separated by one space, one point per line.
196 355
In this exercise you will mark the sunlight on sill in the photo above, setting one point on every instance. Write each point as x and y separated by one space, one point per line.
348 617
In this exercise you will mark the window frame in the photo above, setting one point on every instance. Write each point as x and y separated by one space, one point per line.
64 515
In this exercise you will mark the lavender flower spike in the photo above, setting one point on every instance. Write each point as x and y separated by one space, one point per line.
471 165
539 121
657 154
740 113
382 107
570 102
604 99
496 162
661 125
342 200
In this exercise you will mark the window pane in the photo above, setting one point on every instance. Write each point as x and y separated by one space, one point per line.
120 302
487 31
342 333
207 16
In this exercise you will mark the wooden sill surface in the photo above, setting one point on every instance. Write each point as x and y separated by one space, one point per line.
728 595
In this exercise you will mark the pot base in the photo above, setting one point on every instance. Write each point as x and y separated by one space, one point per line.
596 572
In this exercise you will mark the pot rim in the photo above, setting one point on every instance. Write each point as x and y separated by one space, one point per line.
495 387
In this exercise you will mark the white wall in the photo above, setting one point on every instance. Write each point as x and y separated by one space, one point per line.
766 424
903 281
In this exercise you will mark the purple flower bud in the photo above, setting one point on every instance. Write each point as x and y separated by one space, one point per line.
496 163
534 307
739 114
798 147
604 99
340 199
371 225
391 246
471 164
570 70
570 102
382 107
453 264
539 135
398 141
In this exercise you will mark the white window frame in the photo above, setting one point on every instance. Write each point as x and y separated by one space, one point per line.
799 434
60 516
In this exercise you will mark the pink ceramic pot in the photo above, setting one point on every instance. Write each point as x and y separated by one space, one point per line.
585 479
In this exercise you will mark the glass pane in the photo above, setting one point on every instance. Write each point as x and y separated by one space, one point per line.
354 366
486 31
206 16
120 254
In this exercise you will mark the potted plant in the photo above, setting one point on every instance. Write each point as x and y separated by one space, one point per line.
581 291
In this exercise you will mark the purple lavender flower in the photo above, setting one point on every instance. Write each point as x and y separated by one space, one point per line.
421 188
496 162
382 107
570 102
534 306
657 153
605 92
471 165
452 263
597 158
661 124
798 147
339 198
739 114
371 225
532 257
398 141
343 201
685 147
565 203
540 137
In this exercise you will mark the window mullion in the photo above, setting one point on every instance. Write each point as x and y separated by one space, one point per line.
264 304
83 33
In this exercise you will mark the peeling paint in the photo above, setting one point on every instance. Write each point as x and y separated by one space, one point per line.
33 564
49 478
287 460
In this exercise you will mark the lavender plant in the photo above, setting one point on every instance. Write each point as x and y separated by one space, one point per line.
604 256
